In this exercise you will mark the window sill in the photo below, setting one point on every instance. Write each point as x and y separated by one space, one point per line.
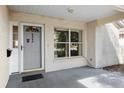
63 58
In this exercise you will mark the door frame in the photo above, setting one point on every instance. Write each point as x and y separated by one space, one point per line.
22 44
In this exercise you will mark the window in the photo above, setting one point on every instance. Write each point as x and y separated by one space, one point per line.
67 42
15 36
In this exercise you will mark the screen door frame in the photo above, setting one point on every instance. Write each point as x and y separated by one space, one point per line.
22 46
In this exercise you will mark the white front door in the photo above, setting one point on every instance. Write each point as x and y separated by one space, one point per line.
32 46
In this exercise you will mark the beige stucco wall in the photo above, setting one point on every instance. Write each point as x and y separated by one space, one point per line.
107 45
114 52
103 44
4 68
52 64
91 30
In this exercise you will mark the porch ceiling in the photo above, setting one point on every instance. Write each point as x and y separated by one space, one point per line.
84 13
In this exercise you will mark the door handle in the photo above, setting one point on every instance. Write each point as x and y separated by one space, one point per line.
22 47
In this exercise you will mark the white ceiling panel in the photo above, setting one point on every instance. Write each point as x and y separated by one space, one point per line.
79 12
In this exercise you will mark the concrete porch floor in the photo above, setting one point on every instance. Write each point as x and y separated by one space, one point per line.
81 77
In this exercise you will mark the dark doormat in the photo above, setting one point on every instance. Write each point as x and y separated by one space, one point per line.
31 77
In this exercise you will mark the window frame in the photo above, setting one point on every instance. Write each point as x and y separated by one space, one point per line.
69 43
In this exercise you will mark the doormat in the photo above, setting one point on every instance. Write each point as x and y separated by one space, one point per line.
32 77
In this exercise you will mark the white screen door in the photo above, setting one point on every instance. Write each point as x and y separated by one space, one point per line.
32 47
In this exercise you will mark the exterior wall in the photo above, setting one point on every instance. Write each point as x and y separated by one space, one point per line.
4 66
103 45
122 55
107 45
121 43
106 50
91 43
52 64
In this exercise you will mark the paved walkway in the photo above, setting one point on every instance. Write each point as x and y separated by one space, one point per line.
71 78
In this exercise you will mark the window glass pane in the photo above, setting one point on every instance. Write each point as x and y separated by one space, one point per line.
76 49
76 36
61 50
61 36
15 36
